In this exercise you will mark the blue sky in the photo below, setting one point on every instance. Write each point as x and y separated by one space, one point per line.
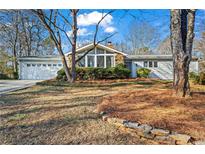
120 20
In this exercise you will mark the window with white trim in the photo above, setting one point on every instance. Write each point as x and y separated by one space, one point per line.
81 63
109 61
97 58
100 51
150 64
145 63
100 61
91 61
155 64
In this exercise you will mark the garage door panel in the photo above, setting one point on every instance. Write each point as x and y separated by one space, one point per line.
39 71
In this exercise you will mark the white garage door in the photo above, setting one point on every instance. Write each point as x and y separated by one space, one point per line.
39 71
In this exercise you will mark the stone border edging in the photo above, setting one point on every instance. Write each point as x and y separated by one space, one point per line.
149 132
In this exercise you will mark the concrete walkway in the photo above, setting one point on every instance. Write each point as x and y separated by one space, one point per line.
7 86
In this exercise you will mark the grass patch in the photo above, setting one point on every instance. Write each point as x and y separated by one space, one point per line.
62 113
102 83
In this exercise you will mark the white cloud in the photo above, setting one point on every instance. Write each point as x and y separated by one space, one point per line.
81 32
110 29
92 18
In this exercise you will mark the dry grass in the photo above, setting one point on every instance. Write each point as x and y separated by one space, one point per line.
64 114
59 115
158 107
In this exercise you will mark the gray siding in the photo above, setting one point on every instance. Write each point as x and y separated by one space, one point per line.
164 69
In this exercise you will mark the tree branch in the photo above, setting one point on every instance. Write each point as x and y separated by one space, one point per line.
95 36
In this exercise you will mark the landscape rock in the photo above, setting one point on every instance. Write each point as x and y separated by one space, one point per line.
146 128
102 113
199 142
131 124
180 138
148 135
162 138
148 132
104 118
160 132
116 121
143 130
165 140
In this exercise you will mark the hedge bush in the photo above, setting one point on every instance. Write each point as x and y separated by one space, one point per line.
197 78
143 72
3 76
194 77
202 78
92 73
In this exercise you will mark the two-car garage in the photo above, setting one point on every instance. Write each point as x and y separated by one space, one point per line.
39 68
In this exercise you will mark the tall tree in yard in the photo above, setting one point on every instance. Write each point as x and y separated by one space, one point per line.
58 25
182 35
9 32
73 42
50 21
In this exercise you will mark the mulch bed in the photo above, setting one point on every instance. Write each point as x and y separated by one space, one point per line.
159 108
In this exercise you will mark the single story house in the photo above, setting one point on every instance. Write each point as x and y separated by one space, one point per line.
42 68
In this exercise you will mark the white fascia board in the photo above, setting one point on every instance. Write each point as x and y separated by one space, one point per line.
99 45
39 59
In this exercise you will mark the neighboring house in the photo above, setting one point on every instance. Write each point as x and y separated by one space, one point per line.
40 68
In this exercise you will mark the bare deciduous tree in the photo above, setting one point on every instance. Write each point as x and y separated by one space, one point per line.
9 34
21 34
50 22
182 34
140 37
53 19
199 45
164 47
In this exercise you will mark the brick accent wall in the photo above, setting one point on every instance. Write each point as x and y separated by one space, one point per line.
119 59
69 60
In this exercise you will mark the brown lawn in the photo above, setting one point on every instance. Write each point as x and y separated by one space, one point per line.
158 107
61 113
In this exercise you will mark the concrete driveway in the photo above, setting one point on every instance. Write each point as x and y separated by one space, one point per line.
7 86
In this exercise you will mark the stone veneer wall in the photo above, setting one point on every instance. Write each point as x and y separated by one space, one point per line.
69 60
119 59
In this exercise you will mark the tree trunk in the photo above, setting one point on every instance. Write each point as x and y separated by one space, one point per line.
14 45
181 42
56 39
14 59
65 65
74 40
14 51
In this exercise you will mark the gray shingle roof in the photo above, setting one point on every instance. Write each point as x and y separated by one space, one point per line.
152 57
